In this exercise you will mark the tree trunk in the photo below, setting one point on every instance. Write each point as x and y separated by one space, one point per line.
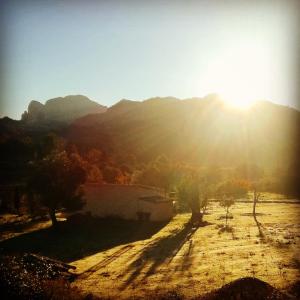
254 205
226 216
255 200
196 217
53 217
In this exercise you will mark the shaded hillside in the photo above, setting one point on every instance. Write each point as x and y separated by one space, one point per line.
62 109
27 139
200 131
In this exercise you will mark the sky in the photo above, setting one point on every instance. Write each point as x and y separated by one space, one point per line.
110 50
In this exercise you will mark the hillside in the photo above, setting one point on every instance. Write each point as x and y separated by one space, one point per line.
196 130
62 109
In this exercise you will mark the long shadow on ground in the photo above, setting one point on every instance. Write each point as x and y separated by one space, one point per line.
159 252
73 241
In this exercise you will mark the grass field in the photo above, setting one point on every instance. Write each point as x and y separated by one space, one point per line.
193 262
122 259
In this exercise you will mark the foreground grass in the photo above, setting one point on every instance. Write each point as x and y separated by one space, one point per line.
193 262
138 260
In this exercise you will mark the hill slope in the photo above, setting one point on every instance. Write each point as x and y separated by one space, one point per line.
197 130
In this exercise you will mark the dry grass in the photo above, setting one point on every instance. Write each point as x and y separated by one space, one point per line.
178 260
192 262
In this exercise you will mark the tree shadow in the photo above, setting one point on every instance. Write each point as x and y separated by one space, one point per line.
227 229
19 226
161 251
73 241
267 237
260 228
187 259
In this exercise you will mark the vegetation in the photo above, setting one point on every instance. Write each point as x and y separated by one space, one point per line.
226 202
256 197
56 180
196 196
166 144
228 192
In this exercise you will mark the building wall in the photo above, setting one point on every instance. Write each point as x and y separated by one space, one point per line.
159 211
124 201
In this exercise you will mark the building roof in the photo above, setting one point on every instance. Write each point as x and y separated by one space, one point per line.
148 187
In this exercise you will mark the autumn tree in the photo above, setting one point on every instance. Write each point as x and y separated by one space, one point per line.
56 180
160 172
94 156
94 174
111 174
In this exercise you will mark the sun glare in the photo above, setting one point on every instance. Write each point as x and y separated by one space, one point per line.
241 74
237 101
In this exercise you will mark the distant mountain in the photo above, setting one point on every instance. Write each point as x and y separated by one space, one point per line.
195 130
62 109
199 131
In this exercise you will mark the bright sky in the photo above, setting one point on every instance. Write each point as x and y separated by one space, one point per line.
109 50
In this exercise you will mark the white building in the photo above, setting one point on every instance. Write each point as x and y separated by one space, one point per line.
131 202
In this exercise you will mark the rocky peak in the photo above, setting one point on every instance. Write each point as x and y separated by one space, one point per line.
61 109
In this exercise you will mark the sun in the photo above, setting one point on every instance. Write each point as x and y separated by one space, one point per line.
237 101
241 74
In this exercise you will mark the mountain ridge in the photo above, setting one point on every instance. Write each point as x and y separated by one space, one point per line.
61 109
196 130
202 130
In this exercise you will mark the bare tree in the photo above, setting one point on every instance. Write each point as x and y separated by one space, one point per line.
256 197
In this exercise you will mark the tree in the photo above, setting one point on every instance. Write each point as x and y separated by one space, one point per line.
56 180
94 174
48 144
111 174
94 156
226 201
256 197
206 192
160 172
229 191
194 200
195 196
